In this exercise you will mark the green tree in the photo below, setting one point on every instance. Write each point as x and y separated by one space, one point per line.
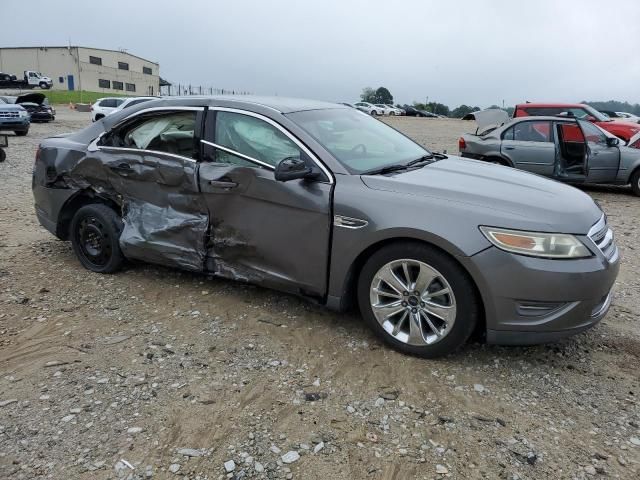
438 108
462 110
384 96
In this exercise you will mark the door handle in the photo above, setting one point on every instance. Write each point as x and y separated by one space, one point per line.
509 148
222 184
121 168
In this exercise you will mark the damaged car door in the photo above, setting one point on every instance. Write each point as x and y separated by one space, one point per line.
270 232
149 162
603 154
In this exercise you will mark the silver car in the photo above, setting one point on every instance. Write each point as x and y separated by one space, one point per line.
564 148
323 201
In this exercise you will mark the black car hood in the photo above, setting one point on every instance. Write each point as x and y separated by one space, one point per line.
38 98
554 206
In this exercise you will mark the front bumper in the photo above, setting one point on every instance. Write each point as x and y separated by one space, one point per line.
531 300
15 124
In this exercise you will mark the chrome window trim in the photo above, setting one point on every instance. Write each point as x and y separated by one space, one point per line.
275 124
93 146
147 152
238 154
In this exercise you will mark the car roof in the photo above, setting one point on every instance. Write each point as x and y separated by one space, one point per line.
550 105
280 104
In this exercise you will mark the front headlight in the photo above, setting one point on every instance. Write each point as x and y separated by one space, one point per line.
23 113
534 244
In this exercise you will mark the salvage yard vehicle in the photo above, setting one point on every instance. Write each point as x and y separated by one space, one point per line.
369 108
14 117
104 106
30 79
621 129
563 148
320 200
37 104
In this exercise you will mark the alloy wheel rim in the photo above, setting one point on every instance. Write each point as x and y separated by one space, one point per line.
413 302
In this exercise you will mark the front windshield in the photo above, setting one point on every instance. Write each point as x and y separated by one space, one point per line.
358 141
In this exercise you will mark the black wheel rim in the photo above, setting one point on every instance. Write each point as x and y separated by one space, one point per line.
93 239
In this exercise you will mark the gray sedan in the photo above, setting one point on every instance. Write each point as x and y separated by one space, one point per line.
323 201
563 148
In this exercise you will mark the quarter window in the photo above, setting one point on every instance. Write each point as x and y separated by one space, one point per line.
170 133
104 83
593 134
95 60
123 66
252 137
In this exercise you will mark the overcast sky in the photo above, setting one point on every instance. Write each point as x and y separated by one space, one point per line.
452 51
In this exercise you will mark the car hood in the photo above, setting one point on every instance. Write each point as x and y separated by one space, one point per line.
10 107
38 98
522 199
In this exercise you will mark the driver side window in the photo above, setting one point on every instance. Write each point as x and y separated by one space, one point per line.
253 138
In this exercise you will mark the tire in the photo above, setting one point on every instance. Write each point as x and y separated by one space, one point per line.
373 113
3 155
635 182
94 234
98 117
43 86
498 161
453 297
21 133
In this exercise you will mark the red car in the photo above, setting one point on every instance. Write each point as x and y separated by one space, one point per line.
624 130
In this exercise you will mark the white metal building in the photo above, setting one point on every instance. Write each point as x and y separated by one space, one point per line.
83 68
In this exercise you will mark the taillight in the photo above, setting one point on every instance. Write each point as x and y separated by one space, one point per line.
461 144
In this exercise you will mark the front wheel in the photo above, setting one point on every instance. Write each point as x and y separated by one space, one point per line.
417 299
635 182
95 233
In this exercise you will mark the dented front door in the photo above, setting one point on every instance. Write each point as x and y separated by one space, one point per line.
262 230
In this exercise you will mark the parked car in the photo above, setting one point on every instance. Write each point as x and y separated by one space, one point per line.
387 109
624 130
399 111
316 199
130 102
566 149
14 117
629 117
37 104
369 108
414 112
104 106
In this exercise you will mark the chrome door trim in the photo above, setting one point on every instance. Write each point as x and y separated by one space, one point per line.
238 154
286 132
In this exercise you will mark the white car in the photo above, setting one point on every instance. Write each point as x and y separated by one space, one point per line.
369 108
395 110
131 101
104 106
630 117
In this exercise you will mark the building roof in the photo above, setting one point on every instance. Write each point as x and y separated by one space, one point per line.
40 47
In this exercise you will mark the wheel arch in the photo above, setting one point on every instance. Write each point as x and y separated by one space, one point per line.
73 204
348 298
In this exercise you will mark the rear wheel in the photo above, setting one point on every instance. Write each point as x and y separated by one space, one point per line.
635 182
417 299
3 155
95 231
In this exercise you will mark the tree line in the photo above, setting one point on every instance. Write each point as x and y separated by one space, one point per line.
383 95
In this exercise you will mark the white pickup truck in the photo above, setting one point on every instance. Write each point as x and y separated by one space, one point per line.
30 79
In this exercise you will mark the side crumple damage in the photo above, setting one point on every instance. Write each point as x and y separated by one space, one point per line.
165 219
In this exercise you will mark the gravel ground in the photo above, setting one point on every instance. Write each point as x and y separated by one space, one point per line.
159 373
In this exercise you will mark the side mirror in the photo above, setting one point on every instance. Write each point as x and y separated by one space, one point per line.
292 168
591 119
613 142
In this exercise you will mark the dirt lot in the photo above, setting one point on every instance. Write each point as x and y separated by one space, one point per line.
159 373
